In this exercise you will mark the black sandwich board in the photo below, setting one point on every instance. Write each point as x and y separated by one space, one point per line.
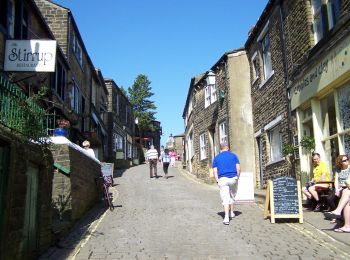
283 199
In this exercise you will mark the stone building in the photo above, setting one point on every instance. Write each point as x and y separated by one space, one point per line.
291 49
217 110
269 94
26 168
319 78
79 80
121 125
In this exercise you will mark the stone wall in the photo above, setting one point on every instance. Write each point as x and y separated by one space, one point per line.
15 241
75 192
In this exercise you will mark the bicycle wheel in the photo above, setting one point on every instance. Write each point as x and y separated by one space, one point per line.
108 199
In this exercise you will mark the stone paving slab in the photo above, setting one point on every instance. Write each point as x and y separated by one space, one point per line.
181 218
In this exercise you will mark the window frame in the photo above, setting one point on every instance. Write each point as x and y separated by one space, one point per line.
207 96
75 97
202 147
275 155
223 132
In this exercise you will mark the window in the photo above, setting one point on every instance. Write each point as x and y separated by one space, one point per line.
255 66
222 133
83 127
266 54
11 18
118 142
75 98
203 151
207 96
77 49
275 139
59 80
129 151
210 89
325 16
344 116
213 97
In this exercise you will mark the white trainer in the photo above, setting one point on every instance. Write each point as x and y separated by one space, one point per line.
232 214
226 221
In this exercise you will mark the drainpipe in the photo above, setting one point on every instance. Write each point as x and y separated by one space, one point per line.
286 80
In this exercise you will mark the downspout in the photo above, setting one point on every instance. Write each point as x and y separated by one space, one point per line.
286 82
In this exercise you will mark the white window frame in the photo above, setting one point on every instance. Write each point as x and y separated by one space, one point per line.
266 56
202 147
213 96
275 145
207 96
223 132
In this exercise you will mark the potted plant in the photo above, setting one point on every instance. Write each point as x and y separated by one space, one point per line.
62 129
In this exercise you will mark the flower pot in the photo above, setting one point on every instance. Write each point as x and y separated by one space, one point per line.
60 132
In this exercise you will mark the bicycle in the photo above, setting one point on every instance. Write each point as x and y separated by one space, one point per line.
107 181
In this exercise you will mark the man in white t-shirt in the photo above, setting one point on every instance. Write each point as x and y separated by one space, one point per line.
152 158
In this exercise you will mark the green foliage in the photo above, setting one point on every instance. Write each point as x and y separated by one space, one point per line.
308 143
287 149
139 96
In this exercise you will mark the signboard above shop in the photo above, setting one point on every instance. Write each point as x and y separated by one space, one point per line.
30 55
333 67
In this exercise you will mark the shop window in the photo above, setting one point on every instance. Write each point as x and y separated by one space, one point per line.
325 15
344 115
203 151
118 142
329 124
275 139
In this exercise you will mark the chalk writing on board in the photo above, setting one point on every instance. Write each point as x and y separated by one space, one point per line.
285 196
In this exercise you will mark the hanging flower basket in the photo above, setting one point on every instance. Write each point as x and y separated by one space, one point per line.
63 123
62 129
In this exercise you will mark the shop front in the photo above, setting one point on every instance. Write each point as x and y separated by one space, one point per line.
320 100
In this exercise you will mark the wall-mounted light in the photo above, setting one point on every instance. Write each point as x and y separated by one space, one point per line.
210 78
221 93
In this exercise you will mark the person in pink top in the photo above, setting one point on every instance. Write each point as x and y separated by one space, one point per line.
172 158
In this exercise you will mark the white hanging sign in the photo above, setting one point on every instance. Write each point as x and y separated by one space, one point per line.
30 55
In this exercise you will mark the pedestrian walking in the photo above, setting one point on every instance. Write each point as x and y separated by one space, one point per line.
165 158
161 153
152 158
227 169
172 158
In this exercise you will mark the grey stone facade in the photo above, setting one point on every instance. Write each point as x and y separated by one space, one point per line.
293 47
220 119
121 126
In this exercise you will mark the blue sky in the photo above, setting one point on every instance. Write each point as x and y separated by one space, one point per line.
170 41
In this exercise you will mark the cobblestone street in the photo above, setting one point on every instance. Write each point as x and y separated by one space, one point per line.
180 218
